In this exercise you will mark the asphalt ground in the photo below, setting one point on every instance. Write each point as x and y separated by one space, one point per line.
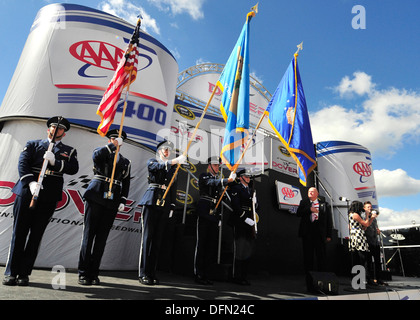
63 285
54 294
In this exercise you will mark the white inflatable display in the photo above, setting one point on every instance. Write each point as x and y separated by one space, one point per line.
346 174
68 61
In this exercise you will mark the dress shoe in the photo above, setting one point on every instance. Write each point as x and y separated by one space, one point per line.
85 281
9 281
96 281
156 281
202 280
382 283
242 282
147 281
23 281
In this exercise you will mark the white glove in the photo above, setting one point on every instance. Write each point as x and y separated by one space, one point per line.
181 159
121 207
50 157
249 221
120 141
33 186
232 175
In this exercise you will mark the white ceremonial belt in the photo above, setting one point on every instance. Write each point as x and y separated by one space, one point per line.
156 185
106 179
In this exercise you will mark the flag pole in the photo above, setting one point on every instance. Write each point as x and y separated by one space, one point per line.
110 195
235 167
161 202
250 15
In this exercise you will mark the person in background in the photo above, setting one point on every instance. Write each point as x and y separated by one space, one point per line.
315 229
155 211
29 223
374 256
101 207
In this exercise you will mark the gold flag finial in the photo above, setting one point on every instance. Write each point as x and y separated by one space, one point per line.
255 8
300 47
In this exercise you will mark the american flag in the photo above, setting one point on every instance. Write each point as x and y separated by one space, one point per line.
125 74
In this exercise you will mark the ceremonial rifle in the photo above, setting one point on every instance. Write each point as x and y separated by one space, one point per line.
254 202
44 168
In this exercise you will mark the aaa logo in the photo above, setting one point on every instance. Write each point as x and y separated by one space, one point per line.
288 193
96 53
105 56
363 169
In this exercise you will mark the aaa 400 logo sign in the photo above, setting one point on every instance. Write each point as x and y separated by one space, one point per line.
103 55
364 170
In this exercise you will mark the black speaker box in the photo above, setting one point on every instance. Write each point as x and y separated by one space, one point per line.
326 282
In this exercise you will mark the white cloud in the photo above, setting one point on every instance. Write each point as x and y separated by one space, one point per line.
201 61
395 183
386 120
129 12
175 53
191 7
361 84
392 218
256 77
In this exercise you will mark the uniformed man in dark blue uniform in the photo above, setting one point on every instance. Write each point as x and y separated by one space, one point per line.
29 224
155 211
101 206
243 223
211 187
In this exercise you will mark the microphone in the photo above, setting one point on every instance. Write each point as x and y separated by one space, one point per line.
343 199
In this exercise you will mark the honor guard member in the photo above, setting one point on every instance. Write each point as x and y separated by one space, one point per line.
243 223
29 224
210 187
155 210
101 207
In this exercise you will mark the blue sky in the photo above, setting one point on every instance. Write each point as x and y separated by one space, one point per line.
361 85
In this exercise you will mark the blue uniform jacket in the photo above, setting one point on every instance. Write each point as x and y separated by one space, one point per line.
103 161
160 173
211 187
30 164
241 199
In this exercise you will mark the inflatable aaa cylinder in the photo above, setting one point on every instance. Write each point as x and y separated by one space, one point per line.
68 60
345 174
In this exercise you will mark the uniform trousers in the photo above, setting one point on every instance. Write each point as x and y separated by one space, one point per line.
28 229
154 220
206 246
243 248
98 221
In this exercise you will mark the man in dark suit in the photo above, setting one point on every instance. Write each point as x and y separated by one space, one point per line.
101 207
315 229
155 211
210 188
29 224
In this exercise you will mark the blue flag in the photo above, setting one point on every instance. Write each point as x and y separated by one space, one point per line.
234 84
288 116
